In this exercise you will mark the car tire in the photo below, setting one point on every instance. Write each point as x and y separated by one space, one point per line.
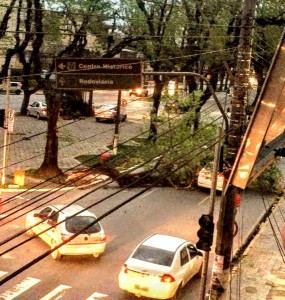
124 119
28 113
55 254
29 232
38 116
97 119
18 92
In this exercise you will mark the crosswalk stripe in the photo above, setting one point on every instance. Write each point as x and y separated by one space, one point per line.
96 295
57 293
2 273
19 288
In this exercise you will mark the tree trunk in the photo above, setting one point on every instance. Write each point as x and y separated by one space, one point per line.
154 111
49 167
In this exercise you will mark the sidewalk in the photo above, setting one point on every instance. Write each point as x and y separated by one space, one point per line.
260 275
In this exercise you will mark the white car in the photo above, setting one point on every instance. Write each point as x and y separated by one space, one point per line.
109 112
205 178
37 109
92 241
15 88
160 267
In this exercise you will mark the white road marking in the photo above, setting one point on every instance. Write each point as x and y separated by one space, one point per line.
2 273
205 199
57 293
146 194
97 295
19 288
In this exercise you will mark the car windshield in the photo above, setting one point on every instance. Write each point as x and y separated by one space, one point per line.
154 255
77 223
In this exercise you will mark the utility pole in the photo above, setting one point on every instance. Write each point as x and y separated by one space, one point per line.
225 225
7 106
117 124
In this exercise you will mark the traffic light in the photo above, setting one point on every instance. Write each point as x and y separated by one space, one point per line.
280 152
2 117
205 233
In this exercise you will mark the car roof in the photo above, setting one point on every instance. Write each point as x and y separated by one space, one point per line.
165 242
72 209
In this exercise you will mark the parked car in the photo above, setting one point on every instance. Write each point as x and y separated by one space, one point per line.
205 178
37 109
109 112
91 241
139 92
15 88
160 267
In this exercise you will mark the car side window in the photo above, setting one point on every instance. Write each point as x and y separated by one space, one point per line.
45 212
54 216
192 251
184 257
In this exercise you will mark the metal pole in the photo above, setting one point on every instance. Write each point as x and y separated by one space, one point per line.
211 209
6 127
225 225
117 124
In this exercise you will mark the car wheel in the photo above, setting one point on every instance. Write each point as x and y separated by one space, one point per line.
38 116
18 92
29 231
97 119
55 254
124 118
28 113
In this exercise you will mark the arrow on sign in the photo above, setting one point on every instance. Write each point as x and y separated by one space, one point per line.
61 81
62 66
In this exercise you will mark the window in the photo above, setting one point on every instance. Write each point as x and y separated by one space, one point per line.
154 255
78 223
45 212
184 258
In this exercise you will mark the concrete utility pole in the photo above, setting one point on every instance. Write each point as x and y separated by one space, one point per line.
225 225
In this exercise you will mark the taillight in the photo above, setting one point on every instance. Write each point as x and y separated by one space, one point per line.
103 237
65 237
125 269
167 278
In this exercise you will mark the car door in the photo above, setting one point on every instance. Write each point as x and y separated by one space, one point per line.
185 265
40 218
196 259
52 234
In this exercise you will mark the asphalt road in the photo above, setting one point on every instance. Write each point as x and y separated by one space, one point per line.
160 210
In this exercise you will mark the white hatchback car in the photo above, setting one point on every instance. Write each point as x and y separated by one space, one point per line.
91 241
160 267
37 109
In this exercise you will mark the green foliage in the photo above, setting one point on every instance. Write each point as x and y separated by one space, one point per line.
270 180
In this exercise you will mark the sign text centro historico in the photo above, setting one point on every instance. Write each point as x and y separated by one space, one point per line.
98 73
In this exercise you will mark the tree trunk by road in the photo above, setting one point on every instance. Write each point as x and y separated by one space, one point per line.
49 167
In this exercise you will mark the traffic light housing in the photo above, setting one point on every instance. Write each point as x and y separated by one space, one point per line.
280 152
205 233
2 117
